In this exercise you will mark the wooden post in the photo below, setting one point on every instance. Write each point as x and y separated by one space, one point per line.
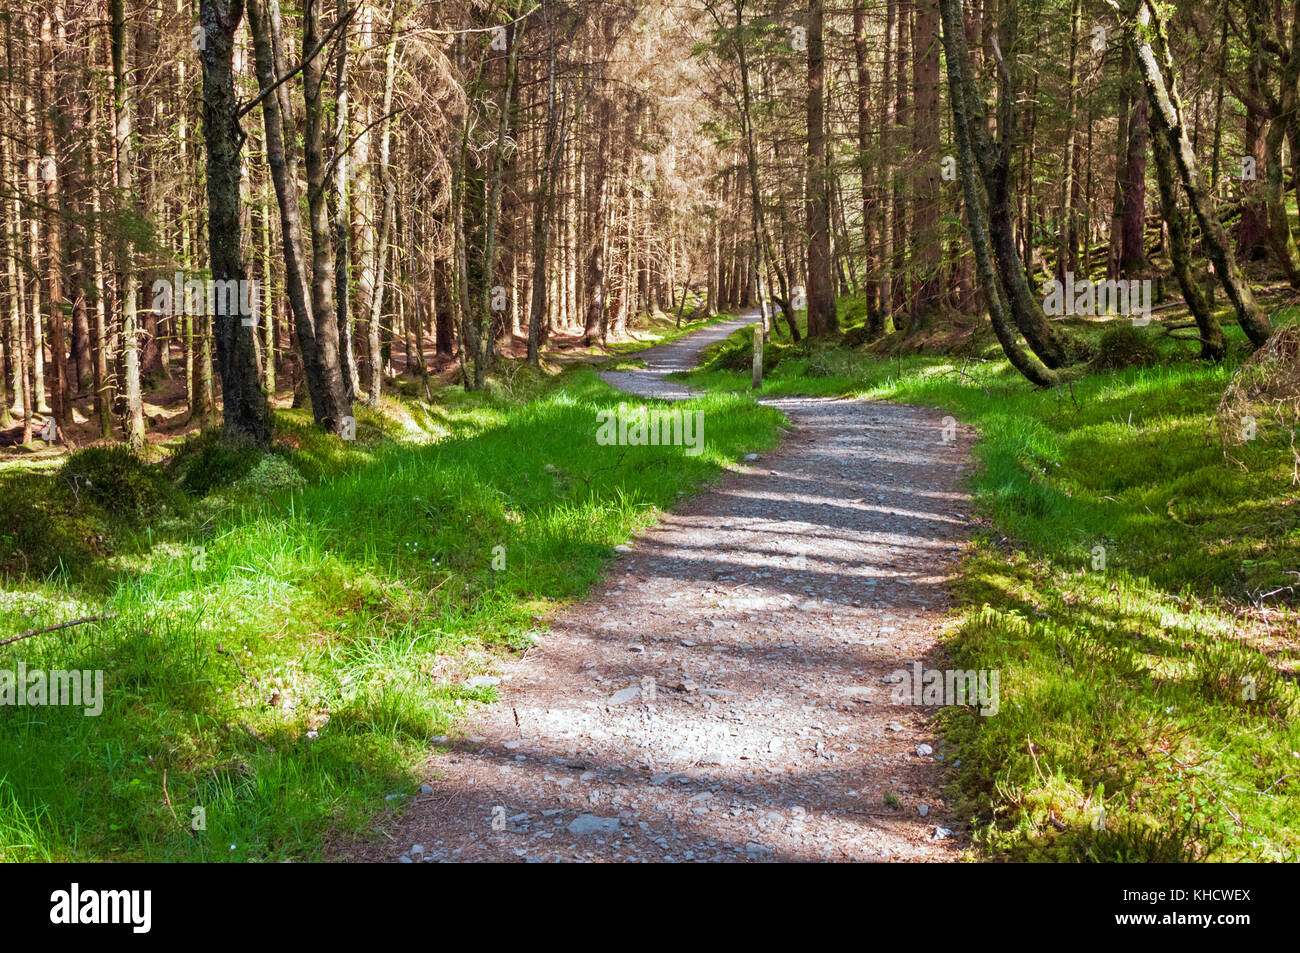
758 356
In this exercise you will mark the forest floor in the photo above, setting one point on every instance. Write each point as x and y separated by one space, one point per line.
728 690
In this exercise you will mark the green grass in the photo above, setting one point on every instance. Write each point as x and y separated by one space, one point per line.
284 646
1160 688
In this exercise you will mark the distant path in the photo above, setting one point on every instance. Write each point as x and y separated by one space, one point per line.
664 359
725 693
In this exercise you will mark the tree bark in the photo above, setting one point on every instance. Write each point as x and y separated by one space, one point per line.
962 95
123 103
822 317
1144 29
1213 344
245 413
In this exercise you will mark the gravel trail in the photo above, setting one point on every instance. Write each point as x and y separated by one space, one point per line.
681 355
726 693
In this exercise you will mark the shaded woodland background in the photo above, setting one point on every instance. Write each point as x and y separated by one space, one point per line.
421 188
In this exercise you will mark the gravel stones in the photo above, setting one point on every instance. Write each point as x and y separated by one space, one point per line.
591 824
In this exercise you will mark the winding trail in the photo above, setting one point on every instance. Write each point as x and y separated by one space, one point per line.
726 692
664 359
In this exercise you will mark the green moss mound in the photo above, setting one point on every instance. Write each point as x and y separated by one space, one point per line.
118 481
208 461
1125 346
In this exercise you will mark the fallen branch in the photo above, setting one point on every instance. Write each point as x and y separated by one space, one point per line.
961 372
168 798
62 625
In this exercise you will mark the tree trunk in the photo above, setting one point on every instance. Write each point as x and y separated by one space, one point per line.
342 202
962 94
1252 230
1168 115
821 292
994 158
374 362
123 100
1282 121
594 265
886 176
542 213
245 413
365 222
100 348
902 96
1132 256
1065 251
926 240
871 281
1213 345
53 245
321 370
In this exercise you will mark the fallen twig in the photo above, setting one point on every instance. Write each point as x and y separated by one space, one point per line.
230 653
62 625
168 798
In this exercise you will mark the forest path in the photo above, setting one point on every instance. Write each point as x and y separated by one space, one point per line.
664 359
726 692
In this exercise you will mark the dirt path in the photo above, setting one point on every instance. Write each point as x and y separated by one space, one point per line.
725 693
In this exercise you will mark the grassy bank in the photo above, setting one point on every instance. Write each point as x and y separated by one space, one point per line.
290 630
1125 583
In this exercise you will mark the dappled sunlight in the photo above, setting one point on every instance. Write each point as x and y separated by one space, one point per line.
770 619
